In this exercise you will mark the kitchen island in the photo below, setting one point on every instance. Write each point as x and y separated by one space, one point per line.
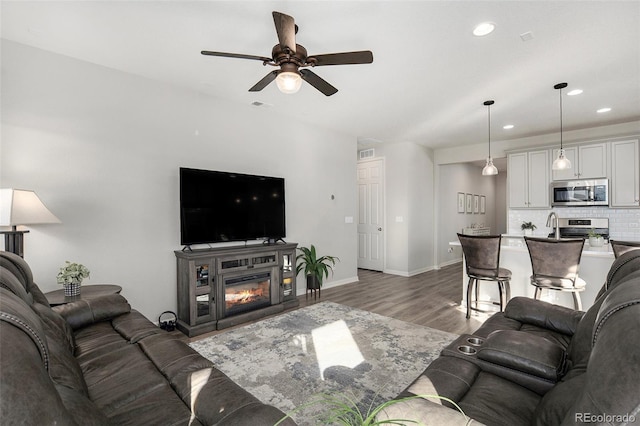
594 266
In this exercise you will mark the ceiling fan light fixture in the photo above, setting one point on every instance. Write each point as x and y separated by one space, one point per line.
289 82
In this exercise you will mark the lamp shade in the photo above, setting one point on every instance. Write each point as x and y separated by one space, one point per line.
23 207
562 162
489 169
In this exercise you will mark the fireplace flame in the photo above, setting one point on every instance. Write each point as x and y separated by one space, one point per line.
244 296
247 294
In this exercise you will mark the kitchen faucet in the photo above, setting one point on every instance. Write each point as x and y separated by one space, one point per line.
555 217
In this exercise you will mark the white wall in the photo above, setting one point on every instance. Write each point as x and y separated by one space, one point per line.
468 179
409 207
102 149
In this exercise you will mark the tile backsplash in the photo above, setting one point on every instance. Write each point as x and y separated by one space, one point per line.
624 224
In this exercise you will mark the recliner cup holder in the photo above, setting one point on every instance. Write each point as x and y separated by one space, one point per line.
475 341
467 350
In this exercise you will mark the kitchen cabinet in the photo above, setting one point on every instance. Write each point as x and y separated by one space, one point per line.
587 162
624 187
529 179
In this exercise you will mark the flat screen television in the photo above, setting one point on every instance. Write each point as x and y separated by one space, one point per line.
221 206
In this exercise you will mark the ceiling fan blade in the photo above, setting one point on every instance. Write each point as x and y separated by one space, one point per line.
345 58
236 55
286 29
265 81
317 82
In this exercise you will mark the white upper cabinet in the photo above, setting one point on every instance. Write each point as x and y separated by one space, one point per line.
587 162
539 166
528 178
624 188
518 180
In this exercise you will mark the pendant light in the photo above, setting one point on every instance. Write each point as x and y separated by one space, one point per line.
489 169
562 162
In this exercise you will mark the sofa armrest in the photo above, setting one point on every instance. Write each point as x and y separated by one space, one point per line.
82 313
524 352
543 314
424 412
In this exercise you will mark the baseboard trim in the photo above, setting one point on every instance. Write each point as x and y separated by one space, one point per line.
449 262
303 289
409 273
341 282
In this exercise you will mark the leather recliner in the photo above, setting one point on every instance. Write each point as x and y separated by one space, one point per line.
98 362
541 364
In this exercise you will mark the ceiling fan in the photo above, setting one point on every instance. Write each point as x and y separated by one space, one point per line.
290 57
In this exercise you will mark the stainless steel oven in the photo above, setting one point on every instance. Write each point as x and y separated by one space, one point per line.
593 192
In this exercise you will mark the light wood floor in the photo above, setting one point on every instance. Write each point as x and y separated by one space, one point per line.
430 299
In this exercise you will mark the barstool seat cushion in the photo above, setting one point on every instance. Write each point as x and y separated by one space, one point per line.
556 282
503 273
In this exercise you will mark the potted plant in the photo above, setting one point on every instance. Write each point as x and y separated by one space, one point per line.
342 409
71 276
595 239
315 268
528 227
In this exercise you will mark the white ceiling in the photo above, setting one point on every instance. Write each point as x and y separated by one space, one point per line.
429 77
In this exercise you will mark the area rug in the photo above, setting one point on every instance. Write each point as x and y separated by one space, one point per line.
293 359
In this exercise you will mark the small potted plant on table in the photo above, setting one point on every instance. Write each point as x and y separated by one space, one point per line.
528 227
71 276
315 268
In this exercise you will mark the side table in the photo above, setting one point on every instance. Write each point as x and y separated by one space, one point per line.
91 291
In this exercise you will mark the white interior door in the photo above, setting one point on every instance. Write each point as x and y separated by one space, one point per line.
371 214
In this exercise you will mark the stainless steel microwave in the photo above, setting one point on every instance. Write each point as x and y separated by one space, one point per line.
580 193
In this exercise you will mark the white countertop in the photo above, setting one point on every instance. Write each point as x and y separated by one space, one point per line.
516 243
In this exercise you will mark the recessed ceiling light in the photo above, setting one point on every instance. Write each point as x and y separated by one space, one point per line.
484 29
574 92
508 126
601 110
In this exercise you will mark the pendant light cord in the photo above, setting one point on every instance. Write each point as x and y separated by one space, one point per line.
561 118
488 105
559 87
489 127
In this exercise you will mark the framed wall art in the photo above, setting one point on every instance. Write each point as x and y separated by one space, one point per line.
461 202
469 203
483 204
476 204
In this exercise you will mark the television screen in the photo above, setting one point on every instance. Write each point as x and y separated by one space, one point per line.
220 206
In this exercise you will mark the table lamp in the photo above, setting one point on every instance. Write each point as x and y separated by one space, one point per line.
20 207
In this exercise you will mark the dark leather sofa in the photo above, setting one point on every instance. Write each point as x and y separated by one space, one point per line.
541 364
99 362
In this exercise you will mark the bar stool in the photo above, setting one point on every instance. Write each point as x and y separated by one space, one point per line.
620 247
555 265
482 259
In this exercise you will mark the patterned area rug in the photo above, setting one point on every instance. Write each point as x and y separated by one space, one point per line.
292 359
